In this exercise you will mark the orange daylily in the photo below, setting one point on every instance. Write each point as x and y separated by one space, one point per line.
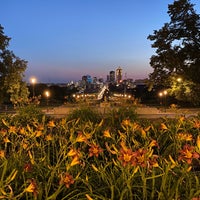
51 124
72 152
38 133
163 126
40 127
2 154
32 188
95 150
126 156
22 130
187 154
81 137
6 140
3 132
185 136
106 133
126 122
12 129
196 123
75 161
143 132
67 180
49 137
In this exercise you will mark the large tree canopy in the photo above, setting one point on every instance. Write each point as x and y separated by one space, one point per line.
12 68
177 46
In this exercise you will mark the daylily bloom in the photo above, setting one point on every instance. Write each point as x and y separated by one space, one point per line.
95 150
32 188
153 161
81 137
75 161
163 126
135 126
22 131
184 136
24 145
143 132
196 123
126 122
2 154
72 152
38 133
126 156
40 127
141 157
12 129
51 124
67 180
182 118
173 162
3 132
106 133
6 140
188 154
49 137
75 156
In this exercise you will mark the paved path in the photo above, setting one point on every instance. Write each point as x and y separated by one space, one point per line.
143 112
152 112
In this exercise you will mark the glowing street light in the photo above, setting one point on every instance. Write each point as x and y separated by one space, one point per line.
179 79
163 94
47 94
160 94
33 81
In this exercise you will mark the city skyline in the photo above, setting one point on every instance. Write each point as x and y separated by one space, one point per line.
63 40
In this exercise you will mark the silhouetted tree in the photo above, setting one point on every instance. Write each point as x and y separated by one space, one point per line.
177 46
12 86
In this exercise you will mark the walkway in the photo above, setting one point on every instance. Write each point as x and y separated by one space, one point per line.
143 112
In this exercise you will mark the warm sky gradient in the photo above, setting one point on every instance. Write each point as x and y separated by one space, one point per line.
63 40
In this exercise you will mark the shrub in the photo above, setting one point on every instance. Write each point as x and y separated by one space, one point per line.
28 114
85 114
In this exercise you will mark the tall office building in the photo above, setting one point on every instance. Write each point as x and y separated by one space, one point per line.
112 76
119 75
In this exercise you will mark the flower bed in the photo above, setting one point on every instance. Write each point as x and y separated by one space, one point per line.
116 156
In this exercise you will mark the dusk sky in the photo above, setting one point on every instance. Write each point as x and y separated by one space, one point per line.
62 40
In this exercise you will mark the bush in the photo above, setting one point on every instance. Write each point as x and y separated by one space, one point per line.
85 114
28 114
114 117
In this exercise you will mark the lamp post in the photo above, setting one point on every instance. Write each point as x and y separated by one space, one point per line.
33 82
47 94
161 95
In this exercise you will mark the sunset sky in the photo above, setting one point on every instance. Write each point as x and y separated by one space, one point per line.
63 40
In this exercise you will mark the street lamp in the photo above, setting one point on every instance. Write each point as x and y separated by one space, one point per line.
33 82
179 79
47 94
163 94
